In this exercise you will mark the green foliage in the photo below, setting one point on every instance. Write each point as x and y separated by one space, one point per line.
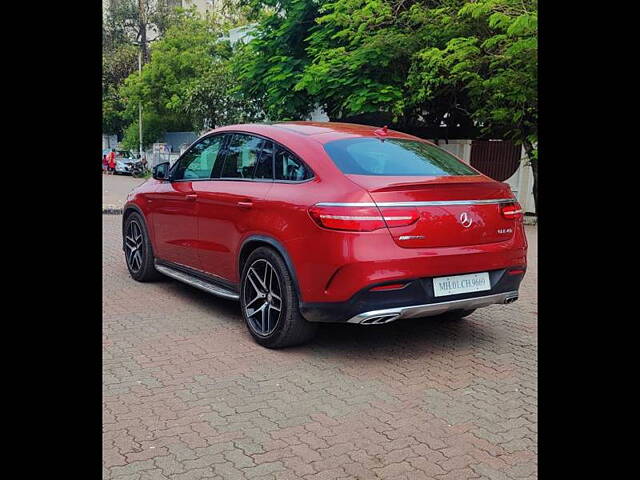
351 57
424 63
271 65
154 128
213 99
188 78
358 53
123 24
112 107
177 60
495 64
420 63
117 64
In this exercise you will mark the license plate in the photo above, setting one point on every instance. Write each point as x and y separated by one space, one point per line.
473 282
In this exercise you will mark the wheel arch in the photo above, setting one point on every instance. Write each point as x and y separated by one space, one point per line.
128 210
255 241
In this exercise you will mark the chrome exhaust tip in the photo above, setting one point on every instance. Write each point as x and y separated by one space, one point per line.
511 299
380 319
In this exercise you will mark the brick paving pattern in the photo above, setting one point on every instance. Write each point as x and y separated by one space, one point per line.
115 189
187 394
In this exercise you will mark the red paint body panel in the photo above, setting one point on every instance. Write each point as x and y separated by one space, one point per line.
224 221
330 265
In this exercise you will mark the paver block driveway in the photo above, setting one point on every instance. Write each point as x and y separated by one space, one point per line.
189 395
115 189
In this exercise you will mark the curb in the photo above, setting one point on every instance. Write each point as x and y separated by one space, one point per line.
111 210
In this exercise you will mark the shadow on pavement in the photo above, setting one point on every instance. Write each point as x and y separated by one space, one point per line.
403 337
416 336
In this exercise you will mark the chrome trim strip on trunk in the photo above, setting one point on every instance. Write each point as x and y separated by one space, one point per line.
196 282
418 204
431 309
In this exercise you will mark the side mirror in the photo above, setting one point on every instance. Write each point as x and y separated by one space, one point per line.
161 171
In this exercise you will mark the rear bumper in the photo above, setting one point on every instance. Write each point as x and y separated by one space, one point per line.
332 267
376 317
416 299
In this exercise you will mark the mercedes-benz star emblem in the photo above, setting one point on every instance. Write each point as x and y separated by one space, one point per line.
465 220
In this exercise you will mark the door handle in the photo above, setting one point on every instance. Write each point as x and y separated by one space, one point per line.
245 204
191 197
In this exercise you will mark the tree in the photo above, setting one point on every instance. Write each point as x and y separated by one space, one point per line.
362 53
126 24
188 80
353 58
457 64
270 66
213 99
496 66
154 127
117 65
130 21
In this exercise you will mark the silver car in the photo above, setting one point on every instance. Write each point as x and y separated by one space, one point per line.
124 161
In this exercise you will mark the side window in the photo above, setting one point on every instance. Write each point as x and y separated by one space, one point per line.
241 155
264 164
198 161
289 167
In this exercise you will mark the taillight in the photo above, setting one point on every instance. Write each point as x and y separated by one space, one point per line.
399 217
357 219
512 211
361 219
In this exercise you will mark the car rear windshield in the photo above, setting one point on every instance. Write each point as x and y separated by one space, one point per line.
394 157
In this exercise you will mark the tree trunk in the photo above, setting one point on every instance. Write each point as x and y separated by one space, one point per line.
529 149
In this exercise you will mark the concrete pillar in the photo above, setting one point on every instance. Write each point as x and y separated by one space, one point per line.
466 151
525 185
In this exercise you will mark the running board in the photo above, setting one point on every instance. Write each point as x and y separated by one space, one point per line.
197 282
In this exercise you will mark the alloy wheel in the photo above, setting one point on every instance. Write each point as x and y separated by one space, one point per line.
263 300
134 242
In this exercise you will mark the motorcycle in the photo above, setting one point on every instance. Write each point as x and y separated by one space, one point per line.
139 169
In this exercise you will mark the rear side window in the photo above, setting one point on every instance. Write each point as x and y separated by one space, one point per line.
394 157
264 162
240 159
289 167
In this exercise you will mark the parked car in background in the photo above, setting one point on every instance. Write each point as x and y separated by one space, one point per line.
308 222
124 161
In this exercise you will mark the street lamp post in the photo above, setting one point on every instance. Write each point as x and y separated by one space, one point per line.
140 103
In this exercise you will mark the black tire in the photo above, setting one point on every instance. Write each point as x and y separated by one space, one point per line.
457 314
141 266
289 327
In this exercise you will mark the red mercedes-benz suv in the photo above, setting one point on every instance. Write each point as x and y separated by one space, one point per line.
307 222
